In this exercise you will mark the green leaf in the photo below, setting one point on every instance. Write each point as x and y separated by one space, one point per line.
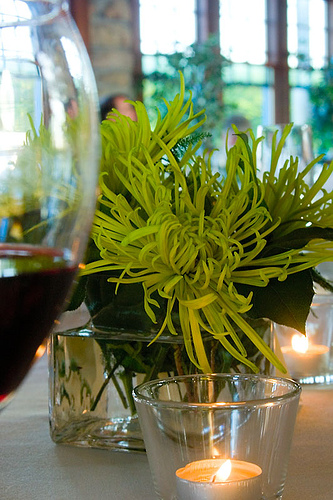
79 293
121 310
245 139
301 237
281 301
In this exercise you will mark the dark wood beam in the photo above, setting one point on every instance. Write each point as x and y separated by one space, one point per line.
278 57
80 12
137 69
208 19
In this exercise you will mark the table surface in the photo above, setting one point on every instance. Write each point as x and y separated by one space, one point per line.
32 467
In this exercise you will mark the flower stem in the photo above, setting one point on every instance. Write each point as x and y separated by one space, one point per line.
104 385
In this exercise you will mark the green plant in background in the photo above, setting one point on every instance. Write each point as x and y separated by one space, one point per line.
246 101
202 66
321 96
212 254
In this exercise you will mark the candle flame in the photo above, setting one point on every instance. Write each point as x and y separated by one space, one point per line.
223 472
300 343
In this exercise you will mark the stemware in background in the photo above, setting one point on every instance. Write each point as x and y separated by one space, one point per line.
298 143
49 151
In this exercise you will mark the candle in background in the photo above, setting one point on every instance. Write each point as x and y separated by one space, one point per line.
305 359
217 479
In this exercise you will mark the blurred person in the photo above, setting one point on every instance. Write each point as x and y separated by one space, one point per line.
72 108
118 102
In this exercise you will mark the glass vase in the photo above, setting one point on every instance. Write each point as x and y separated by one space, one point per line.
92 372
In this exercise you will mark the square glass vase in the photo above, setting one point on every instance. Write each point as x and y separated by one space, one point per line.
92 373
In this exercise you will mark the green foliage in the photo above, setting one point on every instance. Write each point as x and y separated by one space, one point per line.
202 66
322 111
208 255
245 101
281 301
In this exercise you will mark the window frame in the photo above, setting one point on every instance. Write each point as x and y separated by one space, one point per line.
207 23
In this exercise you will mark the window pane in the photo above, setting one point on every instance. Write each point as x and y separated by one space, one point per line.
292 33
248 101
243 30
166 26
15 91
306 33
317 16
300 107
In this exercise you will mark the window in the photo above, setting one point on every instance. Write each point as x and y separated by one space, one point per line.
20 55
166 26
243 31
248 36
307 33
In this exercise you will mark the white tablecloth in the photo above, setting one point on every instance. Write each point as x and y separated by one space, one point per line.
32 467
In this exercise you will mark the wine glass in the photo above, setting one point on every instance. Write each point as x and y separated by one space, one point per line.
49 151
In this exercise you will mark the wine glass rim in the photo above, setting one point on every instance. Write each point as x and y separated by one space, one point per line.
293 391
15 20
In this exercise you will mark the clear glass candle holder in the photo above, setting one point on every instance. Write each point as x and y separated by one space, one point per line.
308 358
248 419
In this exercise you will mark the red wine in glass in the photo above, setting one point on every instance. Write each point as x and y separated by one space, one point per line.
34 283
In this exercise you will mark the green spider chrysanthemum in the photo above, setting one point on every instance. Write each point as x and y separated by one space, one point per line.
170 224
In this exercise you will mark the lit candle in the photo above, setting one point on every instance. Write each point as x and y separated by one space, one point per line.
305 359
219 479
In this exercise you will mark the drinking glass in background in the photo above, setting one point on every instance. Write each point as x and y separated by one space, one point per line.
298 143
49 151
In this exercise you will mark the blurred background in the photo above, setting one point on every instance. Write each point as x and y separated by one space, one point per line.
246 61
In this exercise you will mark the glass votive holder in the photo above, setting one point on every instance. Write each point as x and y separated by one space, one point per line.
192 424
308 358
